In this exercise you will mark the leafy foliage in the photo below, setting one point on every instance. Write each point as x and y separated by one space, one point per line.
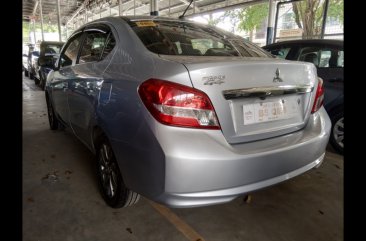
252 16
309 14
246 19
336 10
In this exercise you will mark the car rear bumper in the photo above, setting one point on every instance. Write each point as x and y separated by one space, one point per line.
195 199
203 169
183 167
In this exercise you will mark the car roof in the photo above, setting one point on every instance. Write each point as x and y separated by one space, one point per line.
129 18
308 41
136 18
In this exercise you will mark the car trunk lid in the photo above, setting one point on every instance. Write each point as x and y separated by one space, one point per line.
254 98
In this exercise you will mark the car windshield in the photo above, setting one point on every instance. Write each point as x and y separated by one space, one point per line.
190 39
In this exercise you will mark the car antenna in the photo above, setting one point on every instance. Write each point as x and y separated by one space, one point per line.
182 16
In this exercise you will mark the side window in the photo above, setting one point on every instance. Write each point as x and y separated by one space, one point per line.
110 43
281 52
68 57
322 57
340 59
311 55
336 59
92 47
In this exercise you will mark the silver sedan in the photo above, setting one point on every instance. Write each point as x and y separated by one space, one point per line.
185 114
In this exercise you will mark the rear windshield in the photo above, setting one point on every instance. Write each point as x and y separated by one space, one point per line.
190 39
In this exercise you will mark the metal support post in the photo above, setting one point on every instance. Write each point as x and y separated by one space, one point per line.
119 7
325 12
58 20
154 8
169 8
271 20
40 11
34 31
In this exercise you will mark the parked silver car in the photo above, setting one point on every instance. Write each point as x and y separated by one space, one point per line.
185 114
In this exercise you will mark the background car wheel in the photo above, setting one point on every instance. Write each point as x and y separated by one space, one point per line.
52 119
337 133
113 189
42 82
26 73
31 75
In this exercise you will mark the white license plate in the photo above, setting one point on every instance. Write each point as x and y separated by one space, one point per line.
269 111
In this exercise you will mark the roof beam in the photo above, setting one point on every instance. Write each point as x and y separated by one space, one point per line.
35 8
77 11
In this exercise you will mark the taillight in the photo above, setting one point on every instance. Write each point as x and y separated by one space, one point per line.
319 96
178 105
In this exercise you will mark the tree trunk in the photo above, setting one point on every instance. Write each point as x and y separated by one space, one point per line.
305 17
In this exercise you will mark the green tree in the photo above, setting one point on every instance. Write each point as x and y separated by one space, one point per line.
336 10
247 19
252 17
308 15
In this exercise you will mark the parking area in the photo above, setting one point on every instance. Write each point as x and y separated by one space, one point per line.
61 200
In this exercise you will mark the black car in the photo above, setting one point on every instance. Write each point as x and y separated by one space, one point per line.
30 69
328 57
48 55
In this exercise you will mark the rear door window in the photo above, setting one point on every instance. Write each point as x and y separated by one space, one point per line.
69 55
92 47
98 43
109 45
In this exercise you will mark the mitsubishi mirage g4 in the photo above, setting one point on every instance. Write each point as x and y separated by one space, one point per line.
185 114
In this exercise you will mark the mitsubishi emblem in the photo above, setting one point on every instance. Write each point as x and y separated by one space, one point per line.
277 77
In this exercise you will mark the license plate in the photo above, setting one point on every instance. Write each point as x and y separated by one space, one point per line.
269 111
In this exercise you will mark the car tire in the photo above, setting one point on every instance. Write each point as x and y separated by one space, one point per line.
26 73
31 75
112 187
337 133
41 82
36 81
52 119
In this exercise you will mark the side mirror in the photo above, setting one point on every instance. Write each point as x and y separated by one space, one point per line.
55 62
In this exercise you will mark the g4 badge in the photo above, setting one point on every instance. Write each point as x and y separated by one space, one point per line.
210 80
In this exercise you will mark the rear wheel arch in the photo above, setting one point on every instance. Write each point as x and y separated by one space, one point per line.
335 109
123 196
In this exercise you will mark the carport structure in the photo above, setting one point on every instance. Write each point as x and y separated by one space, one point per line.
71 14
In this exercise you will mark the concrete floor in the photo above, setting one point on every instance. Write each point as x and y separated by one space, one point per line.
61 200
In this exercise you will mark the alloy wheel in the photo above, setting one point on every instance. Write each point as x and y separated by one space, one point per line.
108 171
338 132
